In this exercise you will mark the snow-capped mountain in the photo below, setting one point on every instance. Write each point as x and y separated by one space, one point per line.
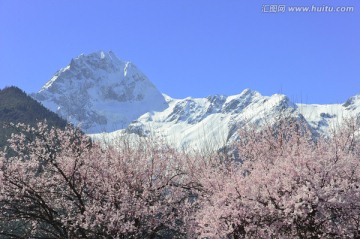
104 94
100 92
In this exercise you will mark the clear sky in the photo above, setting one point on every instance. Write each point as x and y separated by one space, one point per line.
190 47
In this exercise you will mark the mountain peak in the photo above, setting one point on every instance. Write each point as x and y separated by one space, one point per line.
352 101
102 55
99 60
100 92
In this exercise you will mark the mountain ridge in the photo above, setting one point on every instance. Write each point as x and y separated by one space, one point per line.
197 123
100 90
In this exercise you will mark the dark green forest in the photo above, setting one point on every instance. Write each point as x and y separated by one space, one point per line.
18 107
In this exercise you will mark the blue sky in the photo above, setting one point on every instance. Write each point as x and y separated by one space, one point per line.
190 47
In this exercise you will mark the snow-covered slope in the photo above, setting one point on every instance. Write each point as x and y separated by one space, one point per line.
100 92
207 123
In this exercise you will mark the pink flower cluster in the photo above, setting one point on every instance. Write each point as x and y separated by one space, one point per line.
286 183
